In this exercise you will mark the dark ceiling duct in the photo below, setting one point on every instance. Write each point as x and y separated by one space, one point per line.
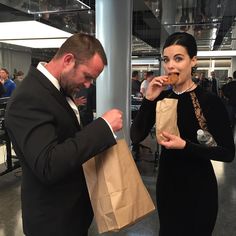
226 23
225 26
143 22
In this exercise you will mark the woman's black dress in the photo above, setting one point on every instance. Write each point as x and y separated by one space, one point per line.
186 191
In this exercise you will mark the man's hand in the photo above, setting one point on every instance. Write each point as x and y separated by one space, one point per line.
114 118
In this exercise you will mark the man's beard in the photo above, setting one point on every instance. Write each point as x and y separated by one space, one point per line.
69 89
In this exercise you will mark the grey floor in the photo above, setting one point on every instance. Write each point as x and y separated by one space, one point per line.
10 212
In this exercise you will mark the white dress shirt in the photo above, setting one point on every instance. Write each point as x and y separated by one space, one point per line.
41 67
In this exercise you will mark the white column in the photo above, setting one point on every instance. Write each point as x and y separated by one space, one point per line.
114 30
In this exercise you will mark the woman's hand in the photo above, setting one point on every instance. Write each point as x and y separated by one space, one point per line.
155 87
171 141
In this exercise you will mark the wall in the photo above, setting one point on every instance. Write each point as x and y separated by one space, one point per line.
15 57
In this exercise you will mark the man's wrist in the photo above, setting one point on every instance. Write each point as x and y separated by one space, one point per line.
110 127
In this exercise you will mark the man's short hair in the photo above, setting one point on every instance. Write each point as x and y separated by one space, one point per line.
134 73
83 47
149 73
6 71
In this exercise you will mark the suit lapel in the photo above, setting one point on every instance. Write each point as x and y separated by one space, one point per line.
62 100
59 96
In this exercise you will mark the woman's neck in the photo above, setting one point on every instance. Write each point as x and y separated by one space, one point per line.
184 88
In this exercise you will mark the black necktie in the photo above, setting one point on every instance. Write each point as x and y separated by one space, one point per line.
66 94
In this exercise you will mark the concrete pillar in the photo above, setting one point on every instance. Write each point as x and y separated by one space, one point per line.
233 65
114 30
168 18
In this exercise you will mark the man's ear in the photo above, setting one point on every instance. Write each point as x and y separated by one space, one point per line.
69 59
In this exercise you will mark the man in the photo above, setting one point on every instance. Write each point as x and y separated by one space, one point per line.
229 92
2 89
146 81
204 82
43 124
9 85
214 83
19 77
135 85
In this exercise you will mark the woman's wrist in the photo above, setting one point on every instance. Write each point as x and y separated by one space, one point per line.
150 98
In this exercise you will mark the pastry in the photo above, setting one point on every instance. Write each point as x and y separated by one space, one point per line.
172 79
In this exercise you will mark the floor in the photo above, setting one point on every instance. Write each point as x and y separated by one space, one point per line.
10 212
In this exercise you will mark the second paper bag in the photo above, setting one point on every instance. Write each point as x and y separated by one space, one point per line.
166 117
117 193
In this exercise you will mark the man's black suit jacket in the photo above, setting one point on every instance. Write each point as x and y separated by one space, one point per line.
47 138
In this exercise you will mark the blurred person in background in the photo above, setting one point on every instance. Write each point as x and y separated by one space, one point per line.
19 76
85 99
135 84
8 83
146 81
214 83
229 93
204 82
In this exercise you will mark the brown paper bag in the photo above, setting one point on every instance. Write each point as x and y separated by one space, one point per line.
166 117
118 195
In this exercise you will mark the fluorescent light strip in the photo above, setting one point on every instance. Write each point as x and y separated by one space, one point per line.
145 61
222 53
83 4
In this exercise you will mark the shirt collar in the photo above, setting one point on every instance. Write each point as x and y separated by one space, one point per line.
41 67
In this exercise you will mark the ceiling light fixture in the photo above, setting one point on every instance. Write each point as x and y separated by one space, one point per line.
81 6
213 36
223 53
144 61
32 34
37 43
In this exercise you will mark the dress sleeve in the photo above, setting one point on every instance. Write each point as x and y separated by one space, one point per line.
143 121
219 126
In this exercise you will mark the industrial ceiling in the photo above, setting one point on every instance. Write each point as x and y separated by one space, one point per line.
212 22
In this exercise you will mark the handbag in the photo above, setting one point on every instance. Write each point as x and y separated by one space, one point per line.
117 193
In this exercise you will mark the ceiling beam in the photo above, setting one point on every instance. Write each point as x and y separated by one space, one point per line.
226 23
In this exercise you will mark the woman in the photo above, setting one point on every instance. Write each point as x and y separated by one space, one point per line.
186 188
